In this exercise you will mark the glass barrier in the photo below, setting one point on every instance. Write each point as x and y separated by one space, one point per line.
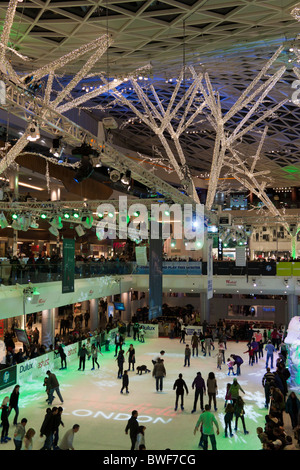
11 274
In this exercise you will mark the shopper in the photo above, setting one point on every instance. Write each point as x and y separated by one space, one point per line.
19 434
180 386
292 407
14 402
200 390
212 390
133 428
208 421
159 372
67 441
53 387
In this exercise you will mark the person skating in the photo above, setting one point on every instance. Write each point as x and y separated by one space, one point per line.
180 386
200 390
125 382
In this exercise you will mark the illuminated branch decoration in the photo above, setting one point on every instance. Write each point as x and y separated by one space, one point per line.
251 98
160 120
243 171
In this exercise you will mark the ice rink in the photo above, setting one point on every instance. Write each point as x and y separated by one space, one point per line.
92 399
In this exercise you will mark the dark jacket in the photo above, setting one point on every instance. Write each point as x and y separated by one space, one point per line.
199 382
132 426
179 386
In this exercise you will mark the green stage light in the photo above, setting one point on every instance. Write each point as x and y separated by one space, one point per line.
43 216
15 216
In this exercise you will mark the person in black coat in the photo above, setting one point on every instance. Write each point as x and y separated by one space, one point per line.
48 427
180 386
125 382
133 427
120 359
14 403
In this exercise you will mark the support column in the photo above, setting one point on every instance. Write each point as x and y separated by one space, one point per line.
204 307
48 327
126 314
292 307
94 308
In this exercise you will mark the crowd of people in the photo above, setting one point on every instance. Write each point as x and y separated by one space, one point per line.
210 341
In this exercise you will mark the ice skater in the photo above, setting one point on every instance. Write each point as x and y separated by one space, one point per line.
230 364
94 354
180 386
125 382
187 356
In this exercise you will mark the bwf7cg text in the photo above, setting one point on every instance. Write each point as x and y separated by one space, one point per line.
171 459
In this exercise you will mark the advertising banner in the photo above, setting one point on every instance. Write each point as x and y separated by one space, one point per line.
8 377
68 265
155 276
209 268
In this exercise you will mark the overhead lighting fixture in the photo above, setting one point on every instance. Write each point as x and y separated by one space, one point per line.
79 230
3 221
56 222
33 132
54 231
114 176
87 220
43 215
126 178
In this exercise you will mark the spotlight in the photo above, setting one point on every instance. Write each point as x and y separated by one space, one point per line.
126 178
79 230
87 220
34 224
33 132
57 147
66 215
43 215
254 282
54 231
56 222
85 170
114 176
3 221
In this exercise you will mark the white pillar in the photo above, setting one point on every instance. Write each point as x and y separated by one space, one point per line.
126 314
48 327
94 319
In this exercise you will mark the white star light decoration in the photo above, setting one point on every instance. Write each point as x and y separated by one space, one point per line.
157 115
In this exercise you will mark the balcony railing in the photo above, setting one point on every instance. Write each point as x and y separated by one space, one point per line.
11 274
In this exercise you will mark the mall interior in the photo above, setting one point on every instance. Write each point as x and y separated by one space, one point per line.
149 174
